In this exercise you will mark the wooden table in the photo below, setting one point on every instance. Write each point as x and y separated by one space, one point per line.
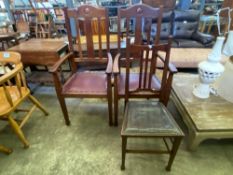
190 57
210 118
40 51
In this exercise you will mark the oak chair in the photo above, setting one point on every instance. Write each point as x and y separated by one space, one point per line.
147 118
135 32
86 49
13 92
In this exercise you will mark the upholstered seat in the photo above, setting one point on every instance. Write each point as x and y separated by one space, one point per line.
82 83
149 118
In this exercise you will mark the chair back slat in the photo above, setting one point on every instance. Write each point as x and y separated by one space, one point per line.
19 84
99 38
146 57
91 36
7 94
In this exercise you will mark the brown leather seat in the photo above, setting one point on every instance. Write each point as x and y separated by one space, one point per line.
82 83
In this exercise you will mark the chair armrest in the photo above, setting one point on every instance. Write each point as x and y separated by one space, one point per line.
109 65
116 69
202 37
172 68
60 62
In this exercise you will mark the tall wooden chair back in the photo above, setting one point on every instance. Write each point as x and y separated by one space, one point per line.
44 25
149 82
13 91
135 22
90 39
21 22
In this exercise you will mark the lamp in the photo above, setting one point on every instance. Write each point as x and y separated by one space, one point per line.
211 69
224 85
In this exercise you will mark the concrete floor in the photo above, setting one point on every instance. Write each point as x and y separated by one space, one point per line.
90 146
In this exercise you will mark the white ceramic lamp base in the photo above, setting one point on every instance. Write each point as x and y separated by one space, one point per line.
202 90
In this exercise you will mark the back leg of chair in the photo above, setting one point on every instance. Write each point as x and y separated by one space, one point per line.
5 150
109 98
18 131
37 103
175 147
123 149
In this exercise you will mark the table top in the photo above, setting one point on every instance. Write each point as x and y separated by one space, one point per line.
190 57
40 45
8 35
212 114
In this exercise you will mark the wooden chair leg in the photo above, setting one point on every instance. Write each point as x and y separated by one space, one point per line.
124 145
110 110
5 150
64 110
174 150
115 111
109 102
37 103
18 131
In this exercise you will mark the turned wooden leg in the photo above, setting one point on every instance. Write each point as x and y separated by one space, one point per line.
38 104
124 145
5 150
18 131
174 150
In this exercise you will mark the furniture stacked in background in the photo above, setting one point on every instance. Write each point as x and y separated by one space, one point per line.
183 26
8 36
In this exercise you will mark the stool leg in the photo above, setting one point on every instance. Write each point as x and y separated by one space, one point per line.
18 131
175 147
5 150
124 145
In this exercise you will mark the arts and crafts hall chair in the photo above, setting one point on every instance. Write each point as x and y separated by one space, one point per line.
146 94
87 48
13 92
137 30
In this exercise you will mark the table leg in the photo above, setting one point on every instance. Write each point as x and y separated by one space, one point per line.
194 140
